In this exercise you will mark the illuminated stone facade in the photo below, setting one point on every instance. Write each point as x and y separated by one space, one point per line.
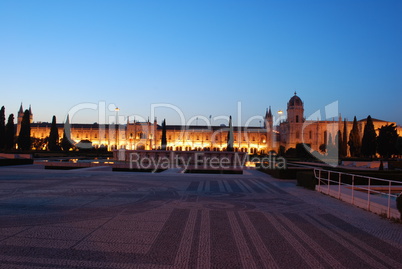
147 135
296 129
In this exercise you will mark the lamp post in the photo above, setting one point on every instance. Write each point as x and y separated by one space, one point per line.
280 112
117 127
276 129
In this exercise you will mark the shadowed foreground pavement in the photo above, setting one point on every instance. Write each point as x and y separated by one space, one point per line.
90 219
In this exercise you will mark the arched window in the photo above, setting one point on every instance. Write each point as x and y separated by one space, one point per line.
297 118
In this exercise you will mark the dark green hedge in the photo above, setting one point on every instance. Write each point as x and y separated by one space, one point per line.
395 165
54 167
306 179
289 173
6 162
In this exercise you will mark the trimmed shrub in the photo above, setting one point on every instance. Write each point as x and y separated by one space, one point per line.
6 162
399 204
306 179
289 173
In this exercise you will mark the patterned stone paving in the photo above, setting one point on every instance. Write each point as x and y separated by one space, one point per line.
93 219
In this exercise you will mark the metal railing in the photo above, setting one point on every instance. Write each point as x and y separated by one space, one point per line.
340 179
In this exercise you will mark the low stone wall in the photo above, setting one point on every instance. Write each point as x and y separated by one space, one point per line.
7 159
15 156
361 164
70 165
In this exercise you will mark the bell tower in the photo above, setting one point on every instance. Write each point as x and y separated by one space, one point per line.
295 114
19 119
295 110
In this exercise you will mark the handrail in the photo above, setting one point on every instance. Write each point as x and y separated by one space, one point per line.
376 178
327 180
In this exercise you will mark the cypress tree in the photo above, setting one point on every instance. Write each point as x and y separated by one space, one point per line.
2 128
330 142
24 137
354 140
66 143
230 139
386 140
53 141
331 146
381 167
164 140
369 141
399 146
339 143
344 151
10 133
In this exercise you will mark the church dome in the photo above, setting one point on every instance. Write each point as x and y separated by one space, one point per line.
295 101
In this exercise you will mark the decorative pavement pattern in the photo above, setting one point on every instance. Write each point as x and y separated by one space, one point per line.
91 219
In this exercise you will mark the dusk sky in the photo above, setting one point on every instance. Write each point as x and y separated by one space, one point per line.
201 56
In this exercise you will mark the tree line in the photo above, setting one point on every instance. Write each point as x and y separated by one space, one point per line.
386 144
23 140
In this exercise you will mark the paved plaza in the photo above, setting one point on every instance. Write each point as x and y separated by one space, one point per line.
94 218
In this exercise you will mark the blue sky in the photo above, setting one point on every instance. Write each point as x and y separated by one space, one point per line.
201 56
